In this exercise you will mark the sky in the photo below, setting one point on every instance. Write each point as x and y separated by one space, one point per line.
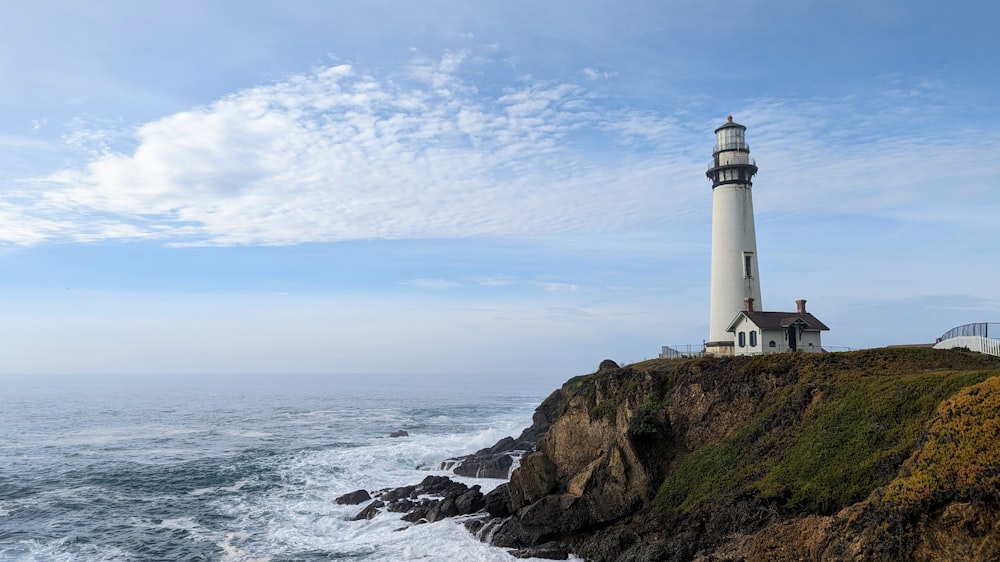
479 187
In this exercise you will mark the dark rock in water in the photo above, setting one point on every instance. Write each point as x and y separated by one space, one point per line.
475 524
370 511
402 505
441 485
470 501
442 510
502 446
354 498
399 433
418 511
486 466
397 493
497 503
434 499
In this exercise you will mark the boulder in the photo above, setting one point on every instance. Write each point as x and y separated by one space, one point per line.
399 433
488 465
470 501
370 511
354 498
397 493
607 365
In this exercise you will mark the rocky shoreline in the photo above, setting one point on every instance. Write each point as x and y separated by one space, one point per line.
872 455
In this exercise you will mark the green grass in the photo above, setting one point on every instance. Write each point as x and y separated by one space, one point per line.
831 429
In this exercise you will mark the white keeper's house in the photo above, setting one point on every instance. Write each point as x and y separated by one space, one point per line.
757 332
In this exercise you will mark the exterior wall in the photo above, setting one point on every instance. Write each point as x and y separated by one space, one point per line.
720 348
810 342
753 343
733 237
761 344
980 344
776 336
781 342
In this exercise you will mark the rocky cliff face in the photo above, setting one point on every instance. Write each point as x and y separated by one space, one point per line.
874 455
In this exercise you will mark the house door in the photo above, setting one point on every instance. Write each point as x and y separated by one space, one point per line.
793 345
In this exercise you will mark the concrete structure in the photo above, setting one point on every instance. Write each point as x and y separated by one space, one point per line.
981 337
755 333
735 276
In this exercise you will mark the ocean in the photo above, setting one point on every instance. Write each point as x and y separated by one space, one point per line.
239 468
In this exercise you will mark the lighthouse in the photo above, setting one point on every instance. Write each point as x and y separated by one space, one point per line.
735 284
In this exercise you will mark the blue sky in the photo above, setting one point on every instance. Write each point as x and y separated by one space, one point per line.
473 187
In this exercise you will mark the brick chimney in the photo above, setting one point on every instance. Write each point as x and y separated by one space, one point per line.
800 305
748 304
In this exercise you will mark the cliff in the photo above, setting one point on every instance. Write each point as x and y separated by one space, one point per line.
881 454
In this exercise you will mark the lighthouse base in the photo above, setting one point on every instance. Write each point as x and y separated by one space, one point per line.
720 348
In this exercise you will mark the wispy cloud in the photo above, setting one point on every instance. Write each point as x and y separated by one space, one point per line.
552 286
431 284
594 74
340 153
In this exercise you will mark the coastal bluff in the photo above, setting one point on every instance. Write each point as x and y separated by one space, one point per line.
882 454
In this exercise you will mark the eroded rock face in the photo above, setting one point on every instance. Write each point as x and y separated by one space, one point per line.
960 531
587 470
703 416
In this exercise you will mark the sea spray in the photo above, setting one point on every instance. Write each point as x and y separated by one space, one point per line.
224 468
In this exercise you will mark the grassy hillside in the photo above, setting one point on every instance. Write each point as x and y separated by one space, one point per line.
883 454
833 428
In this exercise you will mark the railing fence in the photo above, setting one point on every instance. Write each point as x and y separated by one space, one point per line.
975 337
981 329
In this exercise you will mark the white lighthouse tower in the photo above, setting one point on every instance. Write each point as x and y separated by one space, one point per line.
735 277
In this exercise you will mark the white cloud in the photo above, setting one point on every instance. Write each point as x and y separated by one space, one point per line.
552 286
594 74
431 284
338 154
498 281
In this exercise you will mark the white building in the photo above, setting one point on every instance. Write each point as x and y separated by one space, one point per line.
735 276
756 332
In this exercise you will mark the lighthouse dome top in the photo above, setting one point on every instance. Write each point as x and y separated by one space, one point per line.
729 123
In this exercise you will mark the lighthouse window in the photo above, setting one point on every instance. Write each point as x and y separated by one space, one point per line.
747 262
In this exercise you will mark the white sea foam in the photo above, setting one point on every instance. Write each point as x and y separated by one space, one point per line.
303 517
61 551
232 553
251 477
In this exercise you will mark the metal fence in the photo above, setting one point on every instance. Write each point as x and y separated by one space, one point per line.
697 350
981 329
676 351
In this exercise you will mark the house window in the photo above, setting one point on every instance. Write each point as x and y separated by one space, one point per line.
743 339
753 338
747 263
771 344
